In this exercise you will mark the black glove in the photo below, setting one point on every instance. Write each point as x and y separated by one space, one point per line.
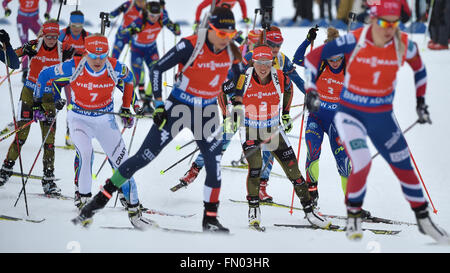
4 37
159 115
312 33
47 16
59 104
68 54
312 100
422 111
7 12
228 87
127 118
28 49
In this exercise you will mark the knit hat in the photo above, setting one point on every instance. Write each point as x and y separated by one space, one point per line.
50 28
385 8
222 18
262 52
253 35
154 8
97 44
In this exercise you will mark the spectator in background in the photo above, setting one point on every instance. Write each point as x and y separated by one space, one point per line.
322 4
345 6
267 4
304 9
440 25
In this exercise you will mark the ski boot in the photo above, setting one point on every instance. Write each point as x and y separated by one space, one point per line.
301 189
263 196
428 227
353 229
136 218
254 213
210 222
190 175
124 202
82 199
146 105
48 183
98 202
6 171
69 142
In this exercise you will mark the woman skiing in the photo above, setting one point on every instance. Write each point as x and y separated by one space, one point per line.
260 94
195 92
373 55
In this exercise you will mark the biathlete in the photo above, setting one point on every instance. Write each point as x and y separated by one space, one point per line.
194 93
373 55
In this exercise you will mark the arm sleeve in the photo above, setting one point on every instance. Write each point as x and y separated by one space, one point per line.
179 54
5 3
287 95
118 10
62 35
62 70
420 73
200 7
223 102
243 8
11 58
290 71
49 6
299 56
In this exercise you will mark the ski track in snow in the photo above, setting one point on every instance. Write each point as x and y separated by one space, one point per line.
384 197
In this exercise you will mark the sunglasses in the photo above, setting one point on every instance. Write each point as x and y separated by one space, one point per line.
266 62
96 56
387 24
336 59
51 37
77 25
274 44
222 34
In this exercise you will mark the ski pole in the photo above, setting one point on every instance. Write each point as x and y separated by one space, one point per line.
296 105
39 152
300 140
112 113
179 161
15 126
184 145
17 130
421 180
404 132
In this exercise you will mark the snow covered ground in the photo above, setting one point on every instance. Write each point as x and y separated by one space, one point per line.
384 197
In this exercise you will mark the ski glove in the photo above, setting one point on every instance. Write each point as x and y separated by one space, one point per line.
228 125
4 37
47 16
238 116
312 34
67 54
175 28
287 122
29 48
59 104
7 12
38 112
127 118
312 101
422 112
159 115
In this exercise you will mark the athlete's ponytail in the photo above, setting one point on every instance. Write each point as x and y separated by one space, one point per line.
332 34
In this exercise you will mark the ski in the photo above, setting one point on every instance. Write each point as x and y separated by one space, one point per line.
59 196
371 219
163 213
273 204
341 229
10 218
257 227
69 147
178 186
245 168
157 227
32 176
